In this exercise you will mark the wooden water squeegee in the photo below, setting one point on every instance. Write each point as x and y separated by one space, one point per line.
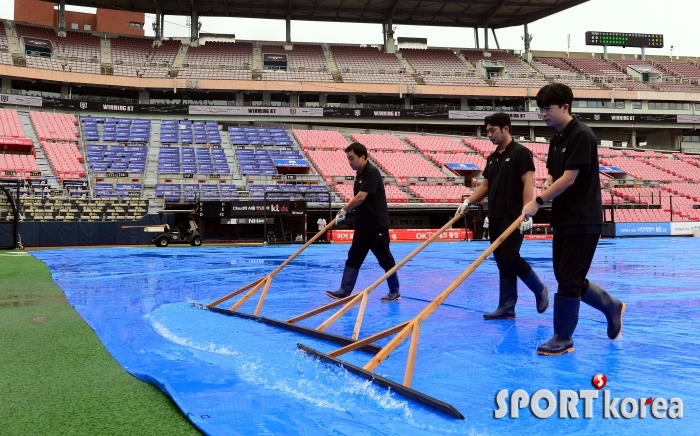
403 331
350 344
348 302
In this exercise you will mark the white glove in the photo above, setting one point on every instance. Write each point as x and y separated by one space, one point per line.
463 207
526 225
340 217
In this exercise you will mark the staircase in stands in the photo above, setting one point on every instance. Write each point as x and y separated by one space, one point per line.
337 78
257 62
14 43
106 62
409 69
465 60
150 176
41 160
179 59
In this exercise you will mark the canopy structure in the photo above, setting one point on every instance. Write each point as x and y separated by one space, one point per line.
494 14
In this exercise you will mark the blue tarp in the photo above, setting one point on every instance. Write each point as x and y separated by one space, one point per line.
235 376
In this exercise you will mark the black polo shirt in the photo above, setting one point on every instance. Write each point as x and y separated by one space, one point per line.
504 173
580 205
372 212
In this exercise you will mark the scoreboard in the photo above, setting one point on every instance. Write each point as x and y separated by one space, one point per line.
616 39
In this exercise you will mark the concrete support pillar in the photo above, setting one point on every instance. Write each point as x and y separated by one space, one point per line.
294 99
266 99
239 98
633 139
194 29
144 97
157 29
352 100
532 133
289 29
322 100
407 103
6 85
478 132
389 45
465 103
62 19
65 90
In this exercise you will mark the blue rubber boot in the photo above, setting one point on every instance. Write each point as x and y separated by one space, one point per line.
508 296
565 321
538 288
393 295
347 283
612 308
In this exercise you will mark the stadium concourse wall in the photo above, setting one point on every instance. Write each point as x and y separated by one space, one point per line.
25 73
317 114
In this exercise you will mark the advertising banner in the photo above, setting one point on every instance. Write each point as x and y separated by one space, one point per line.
291 163
409 235
256 110
462 167
21 100
642 229
684 228
480 115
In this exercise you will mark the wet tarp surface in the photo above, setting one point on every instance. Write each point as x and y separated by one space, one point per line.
236 376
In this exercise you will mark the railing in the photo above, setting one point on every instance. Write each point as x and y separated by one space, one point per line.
297 69
649 201
451 73
372 71
243 67
104 99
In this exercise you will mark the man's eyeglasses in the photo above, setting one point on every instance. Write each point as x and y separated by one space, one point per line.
548 109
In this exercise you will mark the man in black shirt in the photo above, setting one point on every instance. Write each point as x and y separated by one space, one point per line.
573 186
371 225
508 182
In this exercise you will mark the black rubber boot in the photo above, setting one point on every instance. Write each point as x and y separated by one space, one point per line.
612 308
565 321
508 296
538 288
347 284
393 295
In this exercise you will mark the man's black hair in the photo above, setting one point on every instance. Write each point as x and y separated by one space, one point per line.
499 119
357 148
555 94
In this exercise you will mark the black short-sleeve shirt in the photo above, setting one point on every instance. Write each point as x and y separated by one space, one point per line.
580 204
504 173
372 212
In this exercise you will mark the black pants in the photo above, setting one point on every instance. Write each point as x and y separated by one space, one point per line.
363 241
507 255
571 258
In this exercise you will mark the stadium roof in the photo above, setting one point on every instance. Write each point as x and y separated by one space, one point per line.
460 13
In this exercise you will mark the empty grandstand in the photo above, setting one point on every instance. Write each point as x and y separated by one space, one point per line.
168 154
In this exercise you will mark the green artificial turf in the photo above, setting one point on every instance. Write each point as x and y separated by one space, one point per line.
56 377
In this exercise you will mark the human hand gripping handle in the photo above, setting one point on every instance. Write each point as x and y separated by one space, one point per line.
340 217
526 225
462 209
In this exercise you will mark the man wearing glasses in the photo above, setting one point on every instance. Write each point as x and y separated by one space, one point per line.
573 186
508 182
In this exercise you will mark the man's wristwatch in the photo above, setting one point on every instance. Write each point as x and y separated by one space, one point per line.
539 200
